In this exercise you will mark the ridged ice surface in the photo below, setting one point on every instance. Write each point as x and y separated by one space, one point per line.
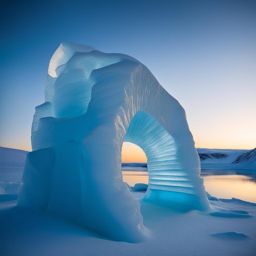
164 167
95 101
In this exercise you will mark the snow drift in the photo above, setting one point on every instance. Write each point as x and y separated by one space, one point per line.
93 102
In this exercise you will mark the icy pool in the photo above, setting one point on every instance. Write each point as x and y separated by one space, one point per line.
231 186
221 186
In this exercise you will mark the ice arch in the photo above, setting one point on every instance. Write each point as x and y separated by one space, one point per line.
93 102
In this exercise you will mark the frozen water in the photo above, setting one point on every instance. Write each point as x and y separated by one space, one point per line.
93 102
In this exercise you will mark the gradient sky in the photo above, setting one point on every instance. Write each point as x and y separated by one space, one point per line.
202 52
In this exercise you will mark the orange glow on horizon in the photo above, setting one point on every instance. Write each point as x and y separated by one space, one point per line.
132 153
15 146
230 139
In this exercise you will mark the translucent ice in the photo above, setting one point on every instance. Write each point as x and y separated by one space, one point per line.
93 102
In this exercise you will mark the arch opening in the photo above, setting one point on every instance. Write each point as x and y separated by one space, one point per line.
169 182
134 165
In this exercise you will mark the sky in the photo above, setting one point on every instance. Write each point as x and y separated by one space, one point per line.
202 52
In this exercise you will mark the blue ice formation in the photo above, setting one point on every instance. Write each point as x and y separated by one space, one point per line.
95 101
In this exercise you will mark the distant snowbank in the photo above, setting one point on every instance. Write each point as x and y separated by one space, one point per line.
12 162
228 159
10 157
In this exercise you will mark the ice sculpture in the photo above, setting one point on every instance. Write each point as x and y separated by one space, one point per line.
93 102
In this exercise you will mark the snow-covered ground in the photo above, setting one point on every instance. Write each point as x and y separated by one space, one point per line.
228 229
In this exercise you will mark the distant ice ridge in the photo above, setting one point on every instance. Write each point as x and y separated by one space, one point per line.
226 159
93 102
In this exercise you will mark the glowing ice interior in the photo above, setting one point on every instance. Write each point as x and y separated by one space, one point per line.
93 102
169 184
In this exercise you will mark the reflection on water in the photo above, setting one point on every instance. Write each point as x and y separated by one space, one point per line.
135 176
221 186
231 186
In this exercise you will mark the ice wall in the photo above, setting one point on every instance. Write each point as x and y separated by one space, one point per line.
93 102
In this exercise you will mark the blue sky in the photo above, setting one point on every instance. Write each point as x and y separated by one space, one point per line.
202 52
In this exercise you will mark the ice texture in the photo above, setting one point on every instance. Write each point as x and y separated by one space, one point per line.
95 101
